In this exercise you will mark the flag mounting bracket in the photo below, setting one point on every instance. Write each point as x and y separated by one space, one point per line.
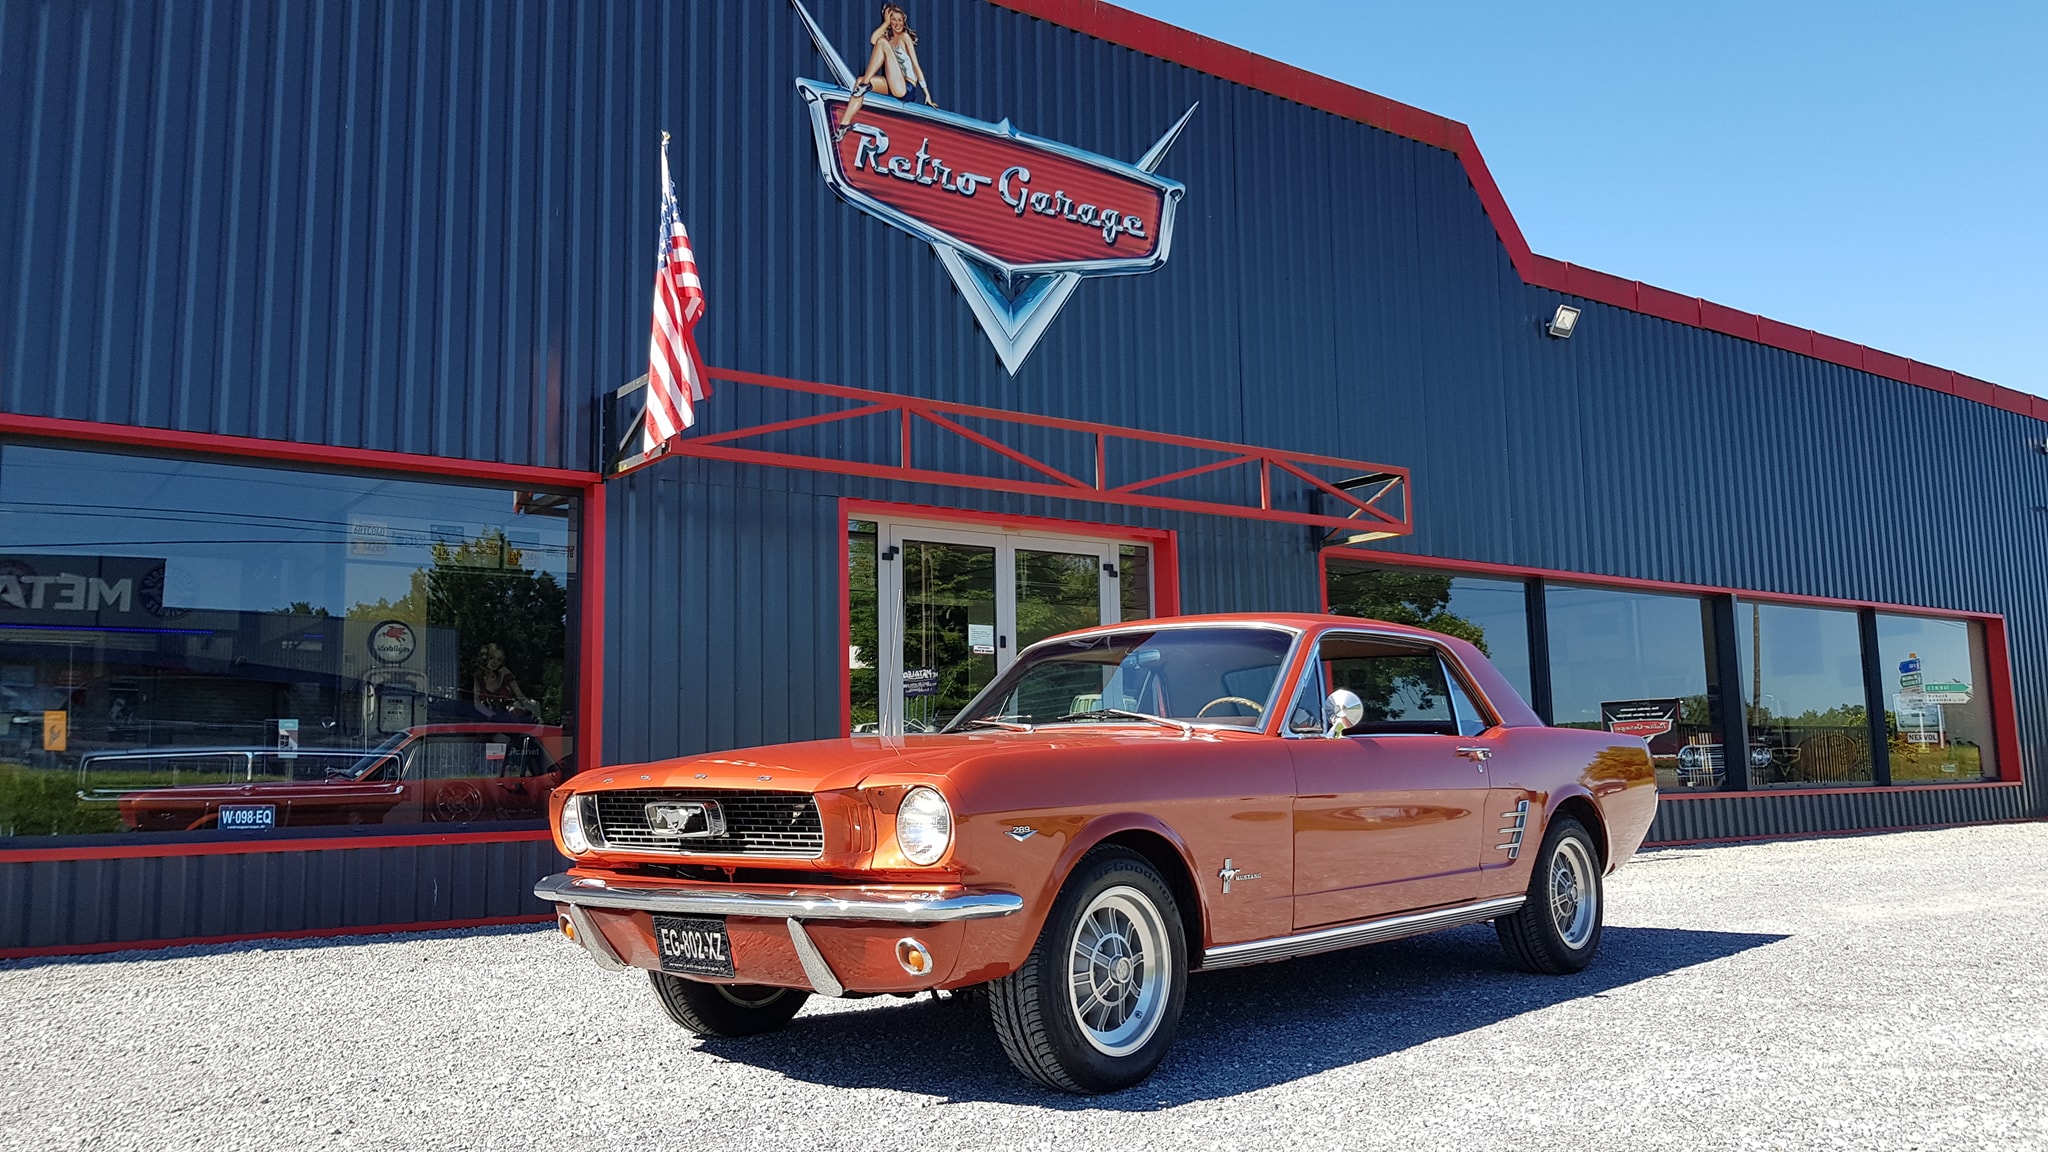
619 417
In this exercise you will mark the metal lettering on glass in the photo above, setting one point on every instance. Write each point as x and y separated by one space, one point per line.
1057 213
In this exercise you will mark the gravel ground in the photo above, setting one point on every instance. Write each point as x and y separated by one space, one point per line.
1879 992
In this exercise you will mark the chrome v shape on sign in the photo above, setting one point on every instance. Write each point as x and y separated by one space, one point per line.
1016 219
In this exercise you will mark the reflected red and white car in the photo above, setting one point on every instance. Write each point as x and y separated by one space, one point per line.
442 773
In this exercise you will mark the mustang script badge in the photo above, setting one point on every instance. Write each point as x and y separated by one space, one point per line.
1016 219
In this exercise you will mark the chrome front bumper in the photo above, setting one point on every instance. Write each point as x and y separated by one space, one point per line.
906 906
900 906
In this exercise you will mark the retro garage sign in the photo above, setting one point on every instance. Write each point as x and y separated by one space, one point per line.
1018 220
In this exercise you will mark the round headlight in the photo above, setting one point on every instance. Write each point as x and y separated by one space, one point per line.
1689 755
924 825
573 837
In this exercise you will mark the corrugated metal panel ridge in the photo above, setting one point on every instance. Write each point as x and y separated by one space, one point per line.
86 902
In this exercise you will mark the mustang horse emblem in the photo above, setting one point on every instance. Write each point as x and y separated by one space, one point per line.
1017 220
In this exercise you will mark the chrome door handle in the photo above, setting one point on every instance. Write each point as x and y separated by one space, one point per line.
1476 752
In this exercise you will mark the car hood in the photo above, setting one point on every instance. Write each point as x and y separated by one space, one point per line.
831 765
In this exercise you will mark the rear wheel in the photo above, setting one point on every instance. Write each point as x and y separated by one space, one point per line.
1094 1006
725 1009
1557 929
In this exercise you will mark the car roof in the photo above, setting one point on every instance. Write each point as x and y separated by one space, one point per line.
1304 621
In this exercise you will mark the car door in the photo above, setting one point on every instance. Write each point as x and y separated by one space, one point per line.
1388 816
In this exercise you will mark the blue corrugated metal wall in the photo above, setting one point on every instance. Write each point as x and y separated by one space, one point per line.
428 228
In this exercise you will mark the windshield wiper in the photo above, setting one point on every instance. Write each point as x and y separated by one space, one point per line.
1186 729
998 722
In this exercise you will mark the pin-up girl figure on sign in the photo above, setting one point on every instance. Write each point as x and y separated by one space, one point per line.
893 68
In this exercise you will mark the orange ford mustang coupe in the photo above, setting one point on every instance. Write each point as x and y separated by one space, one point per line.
1125 805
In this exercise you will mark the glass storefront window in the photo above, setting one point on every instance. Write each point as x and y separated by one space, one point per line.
1802 679
1134 582
1639 663
1492 614
201 646
863 657
1938 719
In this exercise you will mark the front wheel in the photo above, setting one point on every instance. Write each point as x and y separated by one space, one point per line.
1094 1006
725 1009
1557 929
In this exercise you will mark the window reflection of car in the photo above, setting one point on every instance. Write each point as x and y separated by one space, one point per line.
444 773
1705 766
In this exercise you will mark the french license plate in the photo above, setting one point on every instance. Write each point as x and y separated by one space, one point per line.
247 816
694 946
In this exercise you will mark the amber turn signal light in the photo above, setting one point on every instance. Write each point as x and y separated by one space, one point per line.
568 928
914 956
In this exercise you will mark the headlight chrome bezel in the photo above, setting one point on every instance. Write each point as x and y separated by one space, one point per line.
574 838
928 818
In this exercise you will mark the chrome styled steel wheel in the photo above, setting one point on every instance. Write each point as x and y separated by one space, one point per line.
1557 928
1574 892
1093 1007
1116 979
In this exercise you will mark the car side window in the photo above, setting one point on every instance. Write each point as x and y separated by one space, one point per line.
449 758
1404 689
1305 715
1471 721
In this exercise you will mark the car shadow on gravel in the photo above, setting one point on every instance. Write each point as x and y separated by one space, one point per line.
1242 1030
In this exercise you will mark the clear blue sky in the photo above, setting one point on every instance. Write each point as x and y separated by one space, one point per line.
1876 171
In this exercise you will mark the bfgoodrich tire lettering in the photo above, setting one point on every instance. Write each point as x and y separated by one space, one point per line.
1557 930
1093 1008
725 1009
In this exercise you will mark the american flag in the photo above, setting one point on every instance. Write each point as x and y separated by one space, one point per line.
675 374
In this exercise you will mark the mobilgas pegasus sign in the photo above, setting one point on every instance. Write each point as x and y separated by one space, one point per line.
1019 221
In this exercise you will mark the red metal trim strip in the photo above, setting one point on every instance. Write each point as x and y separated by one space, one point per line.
292 452
1874 788
590 661
845 658
296 934
2005 718
1483 568
1179 46
248 847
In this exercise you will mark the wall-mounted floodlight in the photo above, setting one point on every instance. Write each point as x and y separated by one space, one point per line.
1561 324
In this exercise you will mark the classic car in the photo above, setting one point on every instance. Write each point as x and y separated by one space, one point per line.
1123 806
431 772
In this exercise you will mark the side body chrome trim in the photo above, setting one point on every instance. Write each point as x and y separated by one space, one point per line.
815 969
593 941
815 904
1353 935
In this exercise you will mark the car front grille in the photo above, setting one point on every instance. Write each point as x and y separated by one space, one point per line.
757 823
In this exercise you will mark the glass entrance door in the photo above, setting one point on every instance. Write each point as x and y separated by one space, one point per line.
958 605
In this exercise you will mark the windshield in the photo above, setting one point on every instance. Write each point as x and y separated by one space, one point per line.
1220 675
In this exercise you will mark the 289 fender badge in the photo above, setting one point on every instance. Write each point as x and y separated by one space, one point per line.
1022 832
1017 220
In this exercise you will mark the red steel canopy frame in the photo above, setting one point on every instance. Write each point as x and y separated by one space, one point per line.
1375 496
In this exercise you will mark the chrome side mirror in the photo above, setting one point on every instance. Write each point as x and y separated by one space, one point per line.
1342 710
